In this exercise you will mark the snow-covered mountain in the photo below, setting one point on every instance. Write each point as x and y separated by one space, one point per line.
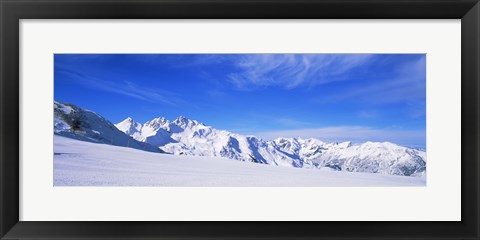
373 157
190 137
74 122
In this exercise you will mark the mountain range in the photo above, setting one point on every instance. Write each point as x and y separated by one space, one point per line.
184 136
190 137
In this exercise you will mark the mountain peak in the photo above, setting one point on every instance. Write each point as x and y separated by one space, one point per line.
183 122
181 119
156 123
159 120
127 120
129 126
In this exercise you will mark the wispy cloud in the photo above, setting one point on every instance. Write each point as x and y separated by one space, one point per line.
293 70
252 71
407 84
123 87
353 133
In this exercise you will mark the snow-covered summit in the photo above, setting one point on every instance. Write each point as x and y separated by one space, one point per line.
184 122
157 122
129 127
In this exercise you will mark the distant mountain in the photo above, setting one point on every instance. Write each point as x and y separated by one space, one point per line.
373 157
190 137
74 122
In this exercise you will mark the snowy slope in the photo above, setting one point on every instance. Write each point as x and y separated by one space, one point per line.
81 163
74 122
189 137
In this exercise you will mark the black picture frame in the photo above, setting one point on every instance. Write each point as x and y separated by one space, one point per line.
12 11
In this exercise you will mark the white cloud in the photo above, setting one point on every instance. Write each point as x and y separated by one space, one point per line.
352 133
292 70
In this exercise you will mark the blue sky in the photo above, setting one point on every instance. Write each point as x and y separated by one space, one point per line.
333 97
